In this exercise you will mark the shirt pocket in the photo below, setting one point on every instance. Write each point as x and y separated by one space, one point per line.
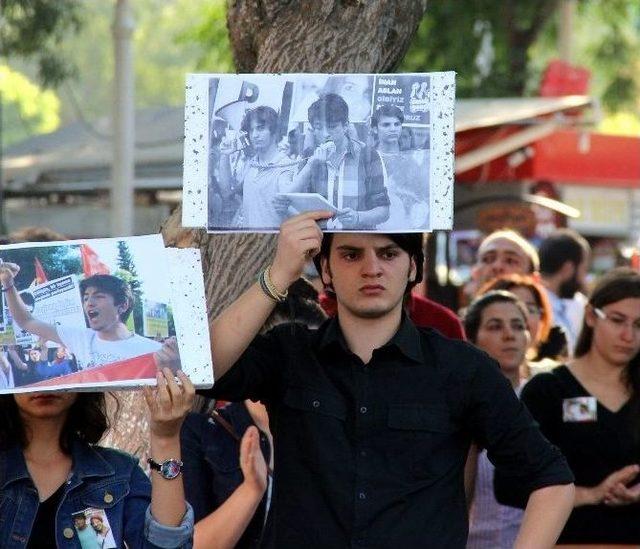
105 494
316 417
423 440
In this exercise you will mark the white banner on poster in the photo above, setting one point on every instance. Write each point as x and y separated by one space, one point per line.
376 150
56 302
93 308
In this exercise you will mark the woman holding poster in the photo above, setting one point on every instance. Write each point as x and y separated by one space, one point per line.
51 472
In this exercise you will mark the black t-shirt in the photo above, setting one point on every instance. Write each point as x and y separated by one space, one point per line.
373 455
43 533
594 449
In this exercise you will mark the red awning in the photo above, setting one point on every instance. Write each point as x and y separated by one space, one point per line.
567 156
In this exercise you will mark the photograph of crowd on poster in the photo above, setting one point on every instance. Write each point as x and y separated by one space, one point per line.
75 314
359 145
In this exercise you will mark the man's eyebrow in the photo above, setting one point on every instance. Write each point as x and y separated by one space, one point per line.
347 248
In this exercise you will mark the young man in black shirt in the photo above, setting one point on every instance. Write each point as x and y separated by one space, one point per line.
372 418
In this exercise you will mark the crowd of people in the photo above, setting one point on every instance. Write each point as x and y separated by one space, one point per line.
372 175
358 413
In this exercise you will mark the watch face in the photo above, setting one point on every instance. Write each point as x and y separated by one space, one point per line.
171 468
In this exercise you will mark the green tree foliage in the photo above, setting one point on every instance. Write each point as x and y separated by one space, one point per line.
211 28
35 29
56 261
128 272
26 108
501 48
484 41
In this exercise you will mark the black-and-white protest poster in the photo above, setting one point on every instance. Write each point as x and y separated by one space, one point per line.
376 150
99 314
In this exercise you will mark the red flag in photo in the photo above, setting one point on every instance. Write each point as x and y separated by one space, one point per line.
41 276
91 264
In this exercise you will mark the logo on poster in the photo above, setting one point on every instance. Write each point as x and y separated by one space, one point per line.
419 98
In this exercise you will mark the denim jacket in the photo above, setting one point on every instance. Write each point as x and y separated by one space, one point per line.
101 478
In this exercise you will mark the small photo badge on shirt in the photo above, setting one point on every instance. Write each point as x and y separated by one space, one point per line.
93 529
579 409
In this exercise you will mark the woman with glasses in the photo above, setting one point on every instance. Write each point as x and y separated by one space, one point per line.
590 408
496 322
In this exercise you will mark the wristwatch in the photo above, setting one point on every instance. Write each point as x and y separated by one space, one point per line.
168 469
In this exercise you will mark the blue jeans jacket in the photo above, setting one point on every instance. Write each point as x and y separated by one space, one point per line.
101 478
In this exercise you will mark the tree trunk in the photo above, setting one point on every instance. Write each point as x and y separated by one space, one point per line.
368 36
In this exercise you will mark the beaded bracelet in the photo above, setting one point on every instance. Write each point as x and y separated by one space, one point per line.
269 288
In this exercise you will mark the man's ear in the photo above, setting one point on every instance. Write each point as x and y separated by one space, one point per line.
589 315
412 270
568 269
325 273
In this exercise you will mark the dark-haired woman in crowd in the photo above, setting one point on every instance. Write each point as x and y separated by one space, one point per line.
590 408
53 477
546 345
495 322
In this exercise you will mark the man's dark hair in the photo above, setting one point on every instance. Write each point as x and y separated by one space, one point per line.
86 420
262 115
386 110
473 315
559 247
409 242
330 109
115 287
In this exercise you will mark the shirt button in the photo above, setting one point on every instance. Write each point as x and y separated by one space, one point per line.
316 403
363 409
68 533
108 498
362 496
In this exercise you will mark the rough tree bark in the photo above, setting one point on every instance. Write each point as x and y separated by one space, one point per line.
281 36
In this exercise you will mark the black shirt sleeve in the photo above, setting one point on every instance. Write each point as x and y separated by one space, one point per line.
525 461
258 372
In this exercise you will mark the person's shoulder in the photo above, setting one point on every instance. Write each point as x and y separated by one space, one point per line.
550 382
148 342
455 353
428 313
118 459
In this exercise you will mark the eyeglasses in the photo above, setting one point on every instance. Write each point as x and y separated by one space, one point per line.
618 321
533 309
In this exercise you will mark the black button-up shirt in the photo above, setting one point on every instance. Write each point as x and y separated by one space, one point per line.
373 455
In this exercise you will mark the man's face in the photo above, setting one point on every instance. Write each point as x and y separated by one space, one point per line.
323 132
80 522
369 274
500 257
389 129
260 136
100 309
96 524
35 355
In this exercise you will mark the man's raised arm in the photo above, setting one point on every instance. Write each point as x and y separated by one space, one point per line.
231 333
17 308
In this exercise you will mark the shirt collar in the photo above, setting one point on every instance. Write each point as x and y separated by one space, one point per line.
87 462
406 340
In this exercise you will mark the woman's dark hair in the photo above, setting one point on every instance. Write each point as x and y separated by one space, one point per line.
473 315
511 281
87 420
619 284
411 243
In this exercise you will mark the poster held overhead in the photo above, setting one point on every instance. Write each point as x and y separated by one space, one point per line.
377 148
